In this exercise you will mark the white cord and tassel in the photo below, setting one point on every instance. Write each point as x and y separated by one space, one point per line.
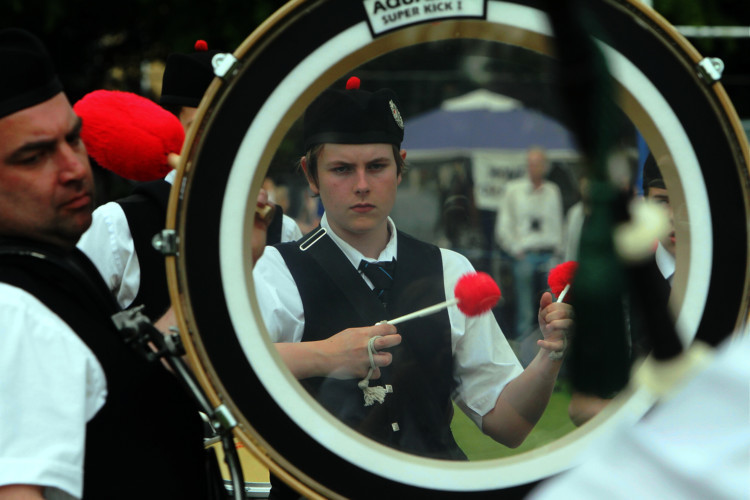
376 393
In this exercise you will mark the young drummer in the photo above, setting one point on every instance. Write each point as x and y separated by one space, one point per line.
120 236
317 299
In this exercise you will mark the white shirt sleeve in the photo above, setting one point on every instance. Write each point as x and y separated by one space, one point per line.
51 386
279 300
555 221
290 231
483 360
109 245
505 228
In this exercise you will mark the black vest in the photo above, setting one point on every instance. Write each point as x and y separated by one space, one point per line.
146 212
146 441
422 370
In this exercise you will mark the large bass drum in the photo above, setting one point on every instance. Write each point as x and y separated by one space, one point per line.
667 92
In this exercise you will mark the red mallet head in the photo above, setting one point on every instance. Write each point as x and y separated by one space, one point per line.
129 134
560 276
477 293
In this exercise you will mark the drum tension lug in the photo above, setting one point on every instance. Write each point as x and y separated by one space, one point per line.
710 69
142 336
224 65
222 419
166 242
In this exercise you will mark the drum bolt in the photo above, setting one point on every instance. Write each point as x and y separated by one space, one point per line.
710 69
165 242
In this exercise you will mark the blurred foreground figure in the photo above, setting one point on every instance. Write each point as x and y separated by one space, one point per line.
694 444
83 415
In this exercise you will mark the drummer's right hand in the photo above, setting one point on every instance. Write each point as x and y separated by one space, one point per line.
347 353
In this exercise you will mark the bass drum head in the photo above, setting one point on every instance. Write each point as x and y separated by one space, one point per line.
250 114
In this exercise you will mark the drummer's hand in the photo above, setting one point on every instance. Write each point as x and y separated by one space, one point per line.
347 351
169 319
260 224
163 324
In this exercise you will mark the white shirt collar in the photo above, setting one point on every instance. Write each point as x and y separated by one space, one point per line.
354 255
170 176
665 262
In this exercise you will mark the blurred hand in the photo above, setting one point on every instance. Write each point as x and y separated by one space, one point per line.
263 216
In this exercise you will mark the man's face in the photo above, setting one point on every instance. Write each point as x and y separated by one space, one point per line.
661 196
537 164
46 185
357 184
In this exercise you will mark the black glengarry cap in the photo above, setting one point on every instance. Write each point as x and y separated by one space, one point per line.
354 116
28 76
652 176
187 76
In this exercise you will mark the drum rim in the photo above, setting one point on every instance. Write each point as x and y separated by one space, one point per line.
197 353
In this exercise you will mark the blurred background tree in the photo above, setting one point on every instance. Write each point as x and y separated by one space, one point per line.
123 46
110 45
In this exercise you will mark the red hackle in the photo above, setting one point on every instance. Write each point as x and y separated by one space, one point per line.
560 276
128 134
201 46
477 293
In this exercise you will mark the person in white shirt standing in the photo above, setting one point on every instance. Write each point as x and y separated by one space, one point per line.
530 229
119 241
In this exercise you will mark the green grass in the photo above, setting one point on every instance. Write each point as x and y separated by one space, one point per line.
553 424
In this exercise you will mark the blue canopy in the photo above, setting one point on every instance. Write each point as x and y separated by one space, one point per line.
515 129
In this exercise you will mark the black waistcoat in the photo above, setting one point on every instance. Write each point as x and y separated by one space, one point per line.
146 211
422 370
146 441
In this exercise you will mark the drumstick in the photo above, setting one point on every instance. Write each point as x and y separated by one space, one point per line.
475 293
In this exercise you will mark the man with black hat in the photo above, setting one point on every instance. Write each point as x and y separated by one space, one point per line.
83 414
185 81
323 284
119 241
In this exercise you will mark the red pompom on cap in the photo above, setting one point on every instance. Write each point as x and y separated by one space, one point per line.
477 293
352 83
560 276
201 46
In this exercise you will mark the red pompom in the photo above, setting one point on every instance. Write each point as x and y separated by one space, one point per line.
560 276
201 45
477 293
352 83
129 134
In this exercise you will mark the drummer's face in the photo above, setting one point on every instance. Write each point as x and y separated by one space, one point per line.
46 185
357 184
